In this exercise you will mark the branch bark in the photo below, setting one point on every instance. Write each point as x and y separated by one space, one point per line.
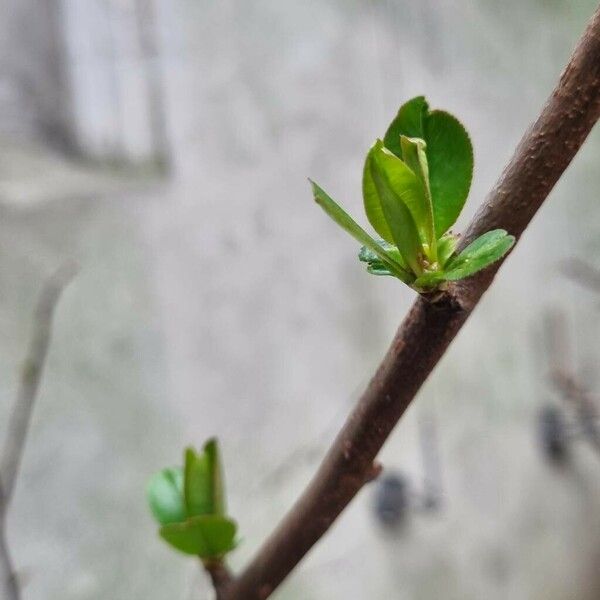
540 159
20 417
220 576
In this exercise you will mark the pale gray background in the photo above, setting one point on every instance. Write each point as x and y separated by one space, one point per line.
218 300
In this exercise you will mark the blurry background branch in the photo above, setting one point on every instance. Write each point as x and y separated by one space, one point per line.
20 417
573 391
540 159
564 379
557 430
582 273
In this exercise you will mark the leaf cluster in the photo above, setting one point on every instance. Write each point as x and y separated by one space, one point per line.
189 505
415 184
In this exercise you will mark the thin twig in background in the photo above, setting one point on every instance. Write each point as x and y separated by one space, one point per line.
9 587
565 381
31 375
573 391
20 417
540 159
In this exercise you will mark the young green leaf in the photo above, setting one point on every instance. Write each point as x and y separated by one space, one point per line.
197 485
372 201
345 221
215 474
415 158
374 264
408 122
398 188
207 536
450 159
405 184
367 255
446 246
413 154
449 156
374 269
165 496
482 243
478 255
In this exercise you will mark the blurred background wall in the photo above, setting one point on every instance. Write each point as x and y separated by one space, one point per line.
165 146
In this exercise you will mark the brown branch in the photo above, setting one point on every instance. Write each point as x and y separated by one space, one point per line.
540 159
20 417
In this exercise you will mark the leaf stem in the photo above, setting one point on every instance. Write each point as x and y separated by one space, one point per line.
219 574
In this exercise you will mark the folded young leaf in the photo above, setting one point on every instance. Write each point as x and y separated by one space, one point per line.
165 496
405 184
413 155
215 474
197 484
372 201
367 255
449 156
398 190
374 264
482 243
207 536
478 255
344 220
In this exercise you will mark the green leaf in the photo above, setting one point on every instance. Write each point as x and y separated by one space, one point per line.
207 536
203 483
399 193
446 246
215 473
478 255
165 496
409 122
375 269
415 157
405 184
367 255
413 154
345 221
372 202
450 159
483 242
374 264
197 484
449 156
